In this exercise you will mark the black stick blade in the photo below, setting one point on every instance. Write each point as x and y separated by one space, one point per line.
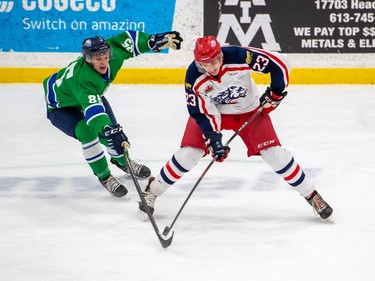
166 242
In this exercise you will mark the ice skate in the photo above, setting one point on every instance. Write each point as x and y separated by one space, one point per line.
320 206
150 200
114 186
140 170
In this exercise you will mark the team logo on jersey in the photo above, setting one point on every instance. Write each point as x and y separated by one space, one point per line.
208 88
230 95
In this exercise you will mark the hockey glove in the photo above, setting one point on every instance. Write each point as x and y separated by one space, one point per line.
218 150
269 100
116 138
160 41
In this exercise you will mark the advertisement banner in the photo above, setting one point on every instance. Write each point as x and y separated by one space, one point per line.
294 26
61 26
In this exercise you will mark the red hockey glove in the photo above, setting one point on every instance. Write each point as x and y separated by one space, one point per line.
218 150
269 100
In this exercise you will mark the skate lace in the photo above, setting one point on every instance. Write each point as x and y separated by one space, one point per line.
112 184
318 204
136 167
149 197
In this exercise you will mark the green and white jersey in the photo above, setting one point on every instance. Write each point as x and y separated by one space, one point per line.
79 85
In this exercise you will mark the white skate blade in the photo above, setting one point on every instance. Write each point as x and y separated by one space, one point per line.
330 219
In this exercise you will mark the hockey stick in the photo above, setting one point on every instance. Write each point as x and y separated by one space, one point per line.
167 229
164 242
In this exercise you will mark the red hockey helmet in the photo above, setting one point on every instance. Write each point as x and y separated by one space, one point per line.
206 49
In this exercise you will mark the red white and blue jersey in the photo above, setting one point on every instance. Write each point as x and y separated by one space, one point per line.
232 91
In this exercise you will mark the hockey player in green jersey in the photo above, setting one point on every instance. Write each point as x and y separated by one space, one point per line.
76 104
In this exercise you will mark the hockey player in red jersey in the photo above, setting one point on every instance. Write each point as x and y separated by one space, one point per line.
221 95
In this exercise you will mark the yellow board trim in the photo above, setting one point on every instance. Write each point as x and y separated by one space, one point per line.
177 75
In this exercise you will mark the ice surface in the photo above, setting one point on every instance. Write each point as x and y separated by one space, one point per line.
242 222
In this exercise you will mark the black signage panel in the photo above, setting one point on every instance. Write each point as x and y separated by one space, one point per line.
294 26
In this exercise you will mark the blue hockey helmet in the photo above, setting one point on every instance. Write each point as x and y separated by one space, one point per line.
95 46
